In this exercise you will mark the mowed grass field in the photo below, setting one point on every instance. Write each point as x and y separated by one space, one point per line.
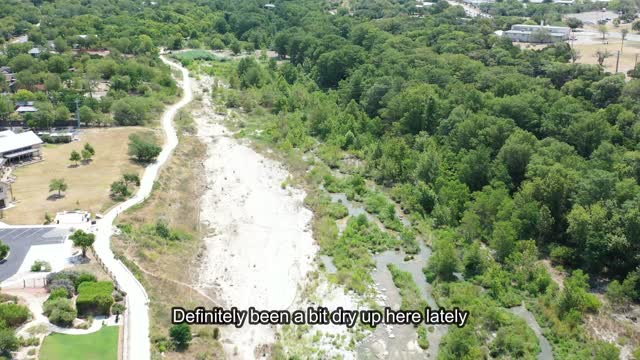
88 184
101 345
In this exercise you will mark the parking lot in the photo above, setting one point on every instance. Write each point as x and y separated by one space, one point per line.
20 241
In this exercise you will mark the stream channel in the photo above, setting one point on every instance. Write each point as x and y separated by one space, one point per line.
400 342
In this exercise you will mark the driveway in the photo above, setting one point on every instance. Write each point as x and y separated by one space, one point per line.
21 239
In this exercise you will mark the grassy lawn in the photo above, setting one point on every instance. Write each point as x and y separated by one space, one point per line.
88 185
101 345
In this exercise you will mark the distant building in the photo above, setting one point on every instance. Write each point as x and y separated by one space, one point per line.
538 33
269 6
35 52
9 76
15 148
5 194
26 109
478 2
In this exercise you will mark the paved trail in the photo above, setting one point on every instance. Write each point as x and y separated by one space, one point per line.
136 341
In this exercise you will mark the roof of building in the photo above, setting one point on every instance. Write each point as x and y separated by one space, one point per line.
22 109
6 133
35 50
19 141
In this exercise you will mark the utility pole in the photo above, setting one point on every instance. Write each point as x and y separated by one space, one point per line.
617 61
78 113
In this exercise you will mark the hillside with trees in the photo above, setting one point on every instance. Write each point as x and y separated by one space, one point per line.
509 155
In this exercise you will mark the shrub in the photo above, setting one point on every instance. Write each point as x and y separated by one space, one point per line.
423 340
8 340
58 293
85 277
41 265
181 335
60 311
562 255
4 250
95 298
14 315
30 341
75 277
65 284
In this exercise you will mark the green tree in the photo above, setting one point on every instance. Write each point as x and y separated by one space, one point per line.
60 44
6 107
83 240
575 295
181 335
58 185
573 23
75 157
475 260
444 261
89 148
119 190
503 239
143 150
86 155
87 115
130 178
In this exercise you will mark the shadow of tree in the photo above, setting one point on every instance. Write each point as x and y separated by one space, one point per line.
55 197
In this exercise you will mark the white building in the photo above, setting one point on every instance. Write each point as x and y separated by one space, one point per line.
538 33
16 148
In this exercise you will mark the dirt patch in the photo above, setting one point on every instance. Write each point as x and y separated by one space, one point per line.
88 184
628 56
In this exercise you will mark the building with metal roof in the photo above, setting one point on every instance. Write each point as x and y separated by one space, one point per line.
16 148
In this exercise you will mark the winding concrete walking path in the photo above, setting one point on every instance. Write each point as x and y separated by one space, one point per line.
136 344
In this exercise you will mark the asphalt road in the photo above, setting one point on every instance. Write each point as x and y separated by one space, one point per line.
20 241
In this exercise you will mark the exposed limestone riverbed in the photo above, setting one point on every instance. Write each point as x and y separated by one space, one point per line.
260 247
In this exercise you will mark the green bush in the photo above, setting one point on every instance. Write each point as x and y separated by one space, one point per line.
423 341
94 298
60 311
8 340
58 293
30 341
40 265
14 315
75 278
181 335
4 250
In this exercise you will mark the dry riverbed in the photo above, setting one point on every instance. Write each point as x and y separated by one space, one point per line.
260 247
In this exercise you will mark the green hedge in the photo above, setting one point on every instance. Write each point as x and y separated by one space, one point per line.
94 298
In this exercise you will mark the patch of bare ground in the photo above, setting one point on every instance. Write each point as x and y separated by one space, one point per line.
167 271
556 275
618 326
